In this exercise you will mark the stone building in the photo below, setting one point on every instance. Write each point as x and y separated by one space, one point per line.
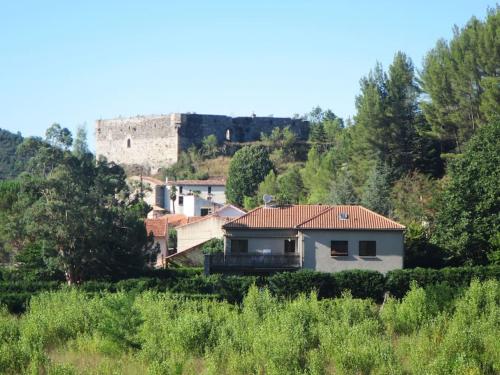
153 142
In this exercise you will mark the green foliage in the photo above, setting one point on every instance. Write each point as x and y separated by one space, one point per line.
468 218
213 246
69 332
342 189
419 251
73 215
398 282
209 146
461 79
248 168
10 166
377 193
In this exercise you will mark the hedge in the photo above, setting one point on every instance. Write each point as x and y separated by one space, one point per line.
361 283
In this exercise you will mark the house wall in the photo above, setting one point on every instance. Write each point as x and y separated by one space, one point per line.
218 196
317 256
162 243
195 233
262 239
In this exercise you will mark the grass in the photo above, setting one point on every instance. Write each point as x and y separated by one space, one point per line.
426 332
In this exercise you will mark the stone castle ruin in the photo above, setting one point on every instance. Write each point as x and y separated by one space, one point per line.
152 142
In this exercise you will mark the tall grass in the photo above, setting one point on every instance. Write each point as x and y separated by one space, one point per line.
429 331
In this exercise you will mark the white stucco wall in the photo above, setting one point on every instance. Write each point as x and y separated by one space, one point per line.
317 250
195 233
192 204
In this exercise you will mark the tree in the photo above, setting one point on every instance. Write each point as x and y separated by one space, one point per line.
247 169
342 189
59 137
460 79
80 147
10 165
377 193
290 187
467 220
209 146
173 196
413 199
82 213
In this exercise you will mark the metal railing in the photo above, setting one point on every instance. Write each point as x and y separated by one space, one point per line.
255 260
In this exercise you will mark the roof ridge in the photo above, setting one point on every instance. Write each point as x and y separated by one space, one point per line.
382 216
242 216
328 208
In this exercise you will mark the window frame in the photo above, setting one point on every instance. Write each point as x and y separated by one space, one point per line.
339 254
181 200
366 243
241 241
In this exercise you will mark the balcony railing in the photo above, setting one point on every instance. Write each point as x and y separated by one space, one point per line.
253 261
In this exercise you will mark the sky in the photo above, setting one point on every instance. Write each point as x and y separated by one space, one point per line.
73 62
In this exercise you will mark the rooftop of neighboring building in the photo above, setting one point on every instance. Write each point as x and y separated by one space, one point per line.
210 182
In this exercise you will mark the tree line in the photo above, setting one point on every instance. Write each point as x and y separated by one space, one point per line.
422 148
70 216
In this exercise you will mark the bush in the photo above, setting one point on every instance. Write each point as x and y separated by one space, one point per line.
398 282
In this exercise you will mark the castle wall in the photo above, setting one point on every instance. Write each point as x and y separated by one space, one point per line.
156 141
148 141
235 129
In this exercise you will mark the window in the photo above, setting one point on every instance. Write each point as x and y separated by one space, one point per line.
339 248
367 248
289 246
181 200
209 190
128 143
180 189
205 211
239 246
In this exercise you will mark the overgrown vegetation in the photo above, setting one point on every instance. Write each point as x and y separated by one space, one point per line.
428 331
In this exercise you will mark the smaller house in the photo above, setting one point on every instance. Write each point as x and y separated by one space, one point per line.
191 236
159 228
196 197
316 237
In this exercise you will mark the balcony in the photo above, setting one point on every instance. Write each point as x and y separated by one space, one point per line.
251 262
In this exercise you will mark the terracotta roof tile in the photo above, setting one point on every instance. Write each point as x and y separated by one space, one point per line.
159 227
357 217
277 217
313 217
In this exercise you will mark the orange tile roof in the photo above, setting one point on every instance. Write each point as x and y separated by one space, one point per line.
283 217
210 182
159 227
313 217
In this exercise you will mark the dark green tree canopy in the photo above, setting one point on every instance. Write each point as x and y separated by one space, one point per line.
468 221
247 170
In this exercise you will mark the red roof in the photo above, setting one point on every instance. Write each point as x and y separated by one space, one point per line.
159 227
313 217
210 182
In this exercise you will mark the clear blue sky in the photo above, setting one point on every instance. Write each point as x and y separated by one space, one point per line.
73 62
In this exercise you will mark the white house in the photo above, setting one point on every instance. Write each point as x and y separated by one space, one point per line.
196 197
206 228
191 236
317 237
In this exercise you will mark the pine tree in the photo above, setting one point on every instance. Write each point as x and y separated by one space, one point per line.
342 190
377 193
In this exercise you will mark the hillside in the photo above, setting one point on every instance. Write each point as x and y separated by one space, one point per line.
9 167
